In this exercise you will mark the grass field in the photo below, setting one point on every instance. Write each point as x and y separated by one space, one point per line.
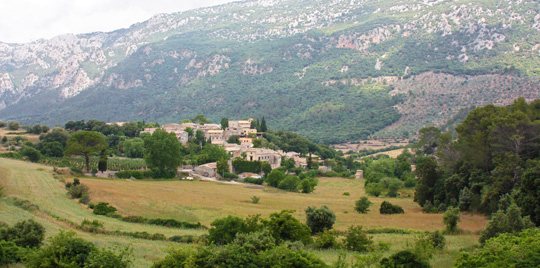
204 201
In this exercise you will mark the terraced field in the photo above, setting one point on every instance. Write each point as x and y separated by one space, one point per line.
204 201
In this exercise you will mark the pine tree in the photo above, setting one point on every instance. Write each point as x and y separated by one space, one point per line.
264 128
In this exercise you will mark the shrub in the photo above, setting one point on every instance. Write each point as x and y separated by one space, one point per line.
346 194
290 183
26 233
326 240
136 174
374 189
13 125
254 181
362 205
224 230
320 219
103 208
31 153
255 199
10 253
307 185
506 250
63 250
388 208
451 219
437 240
285 227
404 258
91 226
357 239
100 258
275 177
77 191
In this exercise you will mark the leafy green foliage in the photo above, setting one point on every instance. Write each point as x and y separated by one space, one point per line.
507 250
133 148
404 258
357 239
103 208
162 153
320 219
389 208
28 234
31 153
451 219
496 153
86 143
362 205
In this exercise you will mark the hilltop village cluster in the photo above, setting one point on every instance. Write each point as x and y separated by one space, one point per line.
218 135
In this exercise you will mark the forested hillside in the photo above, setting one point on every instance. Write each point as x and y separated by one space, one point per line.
332 70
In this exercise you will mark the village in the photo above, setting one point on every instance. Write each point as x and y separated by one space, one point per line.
237 139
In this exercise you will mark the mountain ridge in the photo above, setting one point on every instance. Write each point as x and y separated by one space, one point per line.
244 58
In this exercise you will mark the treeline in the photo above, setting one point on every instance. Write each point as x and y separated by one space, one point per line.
495 157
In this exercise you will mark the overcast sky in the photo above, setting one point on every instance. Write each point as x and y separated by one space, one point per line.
28 20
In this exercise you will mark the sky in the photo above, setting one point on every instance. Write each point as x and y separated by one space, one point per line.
27 20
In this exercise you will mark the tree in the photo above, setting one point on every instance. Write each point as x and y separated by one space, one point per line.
31 153
62 250
222 167
362 205
86 143
162 153
133 148
102 163
285 227
357 239
263 127
13 125
200 119
101 258
234 139
28 234
52 149
224 230
224 123
275 177
507 250
428 176
290 183
451 219
388 208
405 259
9 253
320 219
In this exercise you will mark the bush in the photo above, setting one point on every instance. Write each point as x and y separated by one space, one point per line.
437 240
285 227
13 125
388 208
103 208
320 219
77 191
10 253
275 177
506 250
374 189
362 205
224 230
404 259
326 240
451 219
254 181
28 234
63 250
357 239
255 199
91 226
136 174
31 153
290 183
307 185
101 258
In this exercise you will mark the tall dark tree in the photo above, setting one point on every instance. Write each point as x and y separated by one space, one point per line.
162 153
85 144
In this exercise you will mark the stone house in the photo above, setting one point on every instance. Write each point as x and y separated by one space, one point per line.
265 155
207 170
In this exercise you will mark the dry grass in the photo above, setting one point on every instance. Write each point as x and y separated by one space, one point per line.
205 201
14 133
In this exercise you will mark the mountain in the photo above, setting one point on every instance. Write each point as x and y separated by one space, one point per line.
334 70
